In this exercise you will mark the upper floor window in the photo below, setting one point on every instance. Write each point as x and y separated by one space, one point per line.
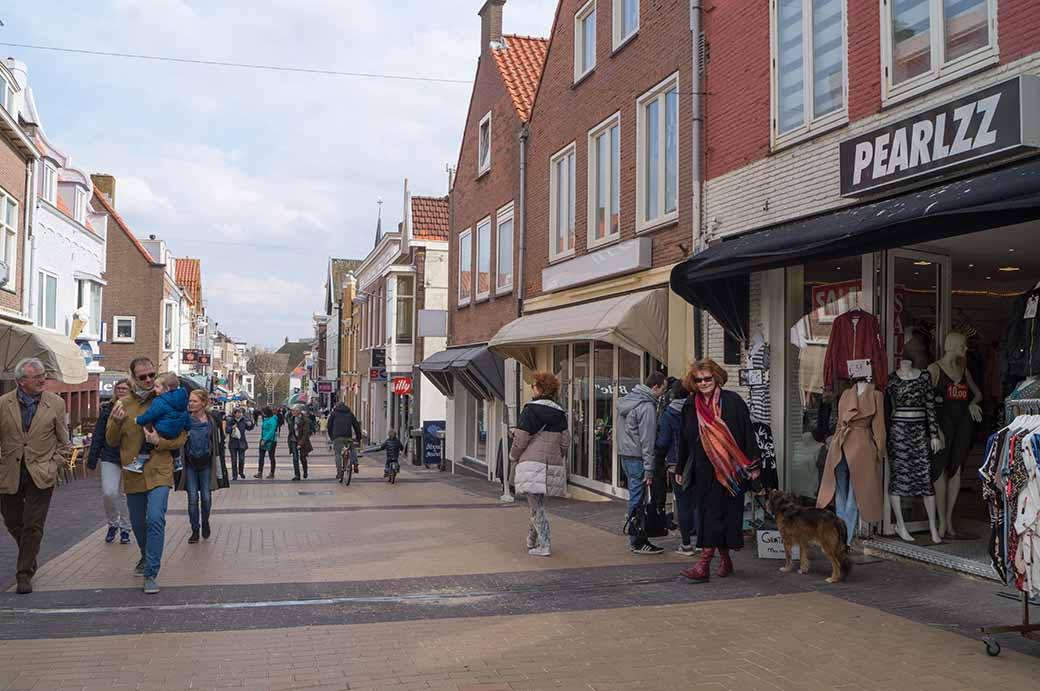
49 183
405 308
124 330
504 250
484 145
6 95
465 267
169 315
9 237
88 303
928 40
808 67
626 20
561 203
605 181
47 300
585 40
80 210
657 153
391 309
484 258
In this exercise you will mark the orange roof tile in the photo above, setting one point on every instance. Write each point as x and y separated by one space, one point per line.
188 273
430 219
520 61
122 226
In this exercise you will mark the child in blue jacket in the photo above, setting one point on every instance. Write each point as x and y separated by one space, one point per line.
167 414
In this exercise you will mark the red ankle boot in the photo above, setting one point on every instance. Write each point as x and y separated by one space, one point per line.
725 563
699 571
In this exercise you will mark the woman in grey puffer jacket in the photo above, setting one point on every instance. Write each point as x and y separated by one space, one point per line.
540 443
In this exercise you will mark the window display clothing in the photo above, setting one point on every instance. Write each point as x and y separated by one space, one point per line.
758 394
954 401
912 424
1020 345
855 335
860 441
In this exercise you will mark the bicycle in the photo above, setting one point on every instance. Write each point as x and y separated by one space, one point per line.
395 468
348 464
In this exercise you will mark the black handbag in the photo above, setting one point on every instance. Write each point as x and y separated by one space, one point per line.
647 520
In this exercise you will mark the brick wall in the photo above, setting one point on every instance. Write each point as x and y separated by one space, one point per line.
12 180
475 198
565 113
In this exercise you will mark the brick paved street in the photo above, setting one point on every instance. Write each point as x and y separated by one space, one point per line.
426 585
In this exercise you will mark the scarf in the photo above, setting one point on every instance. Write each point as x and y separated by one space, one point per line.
28 405
732 467
142 394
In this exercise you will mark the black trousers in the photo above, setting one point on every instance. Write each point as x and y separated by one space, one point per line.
299 457
238 463
24 514
270 452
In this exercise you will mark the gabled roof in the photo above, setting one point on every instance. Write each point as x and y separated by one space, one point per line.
430 218
188 273
520 60
99 198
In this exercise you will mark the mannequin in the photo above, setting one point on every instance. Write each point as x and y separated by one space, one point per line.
913 419
915 347
957 415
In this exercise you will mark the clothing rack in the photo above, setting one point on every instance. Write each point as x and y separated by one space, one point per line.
1013 408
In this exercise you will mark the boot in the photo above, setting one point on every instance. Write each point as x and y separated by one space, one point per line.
699 571
725 563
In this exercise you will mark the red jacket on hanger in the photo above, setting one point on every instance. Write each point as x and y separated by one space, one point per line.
855 335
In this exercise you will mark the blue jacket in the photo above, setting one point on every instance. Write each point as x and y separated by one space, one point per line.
99 448
269 431
668 429
168 413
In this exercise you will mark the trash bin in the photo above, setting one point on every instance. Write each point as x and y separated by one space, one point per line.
417 447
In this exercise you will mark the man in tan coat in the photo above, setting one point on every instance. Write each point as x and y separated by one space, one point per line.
34 440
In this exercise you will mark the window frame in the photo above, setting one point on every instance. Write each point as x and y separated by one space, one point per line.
482 224
580 18
811 126
116 338
9 232
941 72
93 320
504 214
49 183
617 15
569 150
484 166
602 130
41 276
6 94
399 298
468 256
79 207
658 92
169 315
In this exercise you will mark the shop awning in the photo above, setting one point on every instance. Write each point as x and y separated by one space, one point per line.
716 279
61 357
638 321
477 369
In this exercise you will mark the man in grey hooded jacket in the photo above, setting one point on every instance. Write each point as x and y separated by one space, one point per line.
636 434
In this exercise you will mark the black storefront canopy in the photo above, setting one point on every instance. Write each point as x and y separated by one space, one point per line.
716 280
477 369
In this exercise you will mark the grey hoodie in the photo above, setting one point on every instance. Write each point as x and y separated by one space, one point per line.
637 426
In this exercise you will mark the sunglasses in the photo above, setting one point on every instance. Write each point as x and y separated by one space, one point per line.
146 376
703 380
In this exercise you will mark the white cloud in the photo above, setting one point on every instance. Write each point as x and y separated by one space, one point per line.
137 199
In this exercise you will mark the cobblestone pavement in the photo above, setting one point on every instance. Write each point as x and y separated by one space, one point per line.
426 584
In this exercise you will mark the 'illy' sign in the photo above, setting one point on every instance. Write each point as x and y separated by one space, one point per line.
997 122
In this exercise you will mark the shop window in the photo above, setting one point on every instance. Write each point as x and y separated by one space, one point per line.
630 368
484 259
465 267
47 300
657 154
504 250
626 21
480 430
580 416
604 180
405 308
809 80
928 42
730 349
603 432
9 237
484 145
561 204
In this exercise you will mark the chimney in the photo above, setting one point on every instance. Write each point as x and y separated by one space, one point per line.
490 24
106 185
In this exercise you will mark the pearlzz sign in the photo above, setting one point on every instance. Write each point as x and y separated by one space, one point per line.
998 122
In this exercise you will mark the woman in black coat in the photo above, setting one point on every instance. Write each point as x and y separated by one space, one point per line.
237 443
719 458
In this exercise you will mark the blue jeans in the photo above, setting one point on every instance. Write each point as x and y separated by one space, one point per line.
197 482
148 519
845 498
634 472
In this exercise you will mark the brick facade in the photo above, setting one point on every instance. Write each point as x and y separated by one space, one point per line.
12 181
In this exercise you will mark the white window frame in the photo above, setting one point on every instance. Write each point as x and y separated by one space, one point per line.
49 183
400 297
583 14
659 91
483 225
504 215
618 14
484 166
602 130
811 126
942 72
116 338
6 95
92 318
169 324
468 256
79 209
569 150
41 302
9 241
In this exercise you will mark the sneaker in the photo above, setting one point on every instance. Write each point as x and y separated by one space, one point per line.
542 551
139 569
136 466
646 548
532 541
686 550
110 537
177 465
206 531
296 478
258 476
124 537
194 539
150 586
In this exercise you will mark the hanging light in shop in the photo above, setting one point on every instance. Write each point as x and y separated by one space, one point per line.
922 263
1009 268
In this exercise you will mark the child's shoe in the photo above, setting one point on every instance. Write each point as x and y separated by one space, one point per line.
177 465
136 466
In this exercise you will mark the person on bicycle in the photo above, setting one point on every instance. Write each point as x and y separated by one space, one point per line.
394 447
342 423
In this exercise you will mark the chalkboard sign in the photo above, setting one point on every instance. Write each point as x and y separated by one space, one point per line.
432 441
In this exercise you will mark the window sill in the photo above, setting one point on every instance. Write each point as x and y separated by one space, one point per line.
950 73
123 341
12 291
505 290
561 257
818 128
657 224
591 245
483 172
579 79
464 303
624 43
483 298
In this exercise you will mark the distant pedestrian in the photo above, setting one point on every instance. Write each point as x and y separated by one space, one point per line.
217 413
342 424
201 464
669 428
268 441
34 441
112 495
300 427
281 415
636 433
394 448
236 429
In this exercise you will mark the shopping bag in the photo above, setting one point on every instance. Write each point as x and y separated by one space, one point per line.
647 520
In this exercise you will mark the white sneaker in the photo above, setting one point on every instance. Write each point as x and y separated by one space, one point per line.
686 550
136 466
532 541
542 551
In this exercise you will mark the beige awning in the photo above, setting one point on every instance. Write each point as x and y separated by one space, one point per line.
59 355
638 321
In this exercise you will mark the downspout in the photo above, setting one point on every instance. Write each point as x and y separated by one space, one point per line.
697 169
28 260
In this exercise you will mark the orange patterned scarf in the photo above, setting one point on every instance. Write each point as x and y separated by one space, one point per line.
733 469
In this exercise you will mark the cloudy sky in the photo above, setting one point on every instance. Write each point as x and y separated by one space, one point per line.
261 174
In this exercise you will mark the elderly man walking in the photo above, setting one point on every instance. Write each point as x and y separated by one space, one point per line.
33 442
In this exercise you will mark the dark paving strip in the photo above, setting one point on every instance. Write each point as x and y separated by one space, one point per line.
348 509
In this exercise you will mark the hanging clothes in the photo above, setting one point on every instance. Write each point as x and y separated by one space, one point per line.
860 438
758 394
855 335
1027 523
767 446
1020 344
912 424
993 495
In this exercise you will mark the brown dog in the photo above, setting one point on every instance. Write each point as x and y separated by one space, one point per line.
802 525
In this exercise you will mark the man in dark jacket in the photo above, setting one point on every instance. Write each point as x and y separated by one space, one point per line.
636 432
112 495
237 426
341 423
